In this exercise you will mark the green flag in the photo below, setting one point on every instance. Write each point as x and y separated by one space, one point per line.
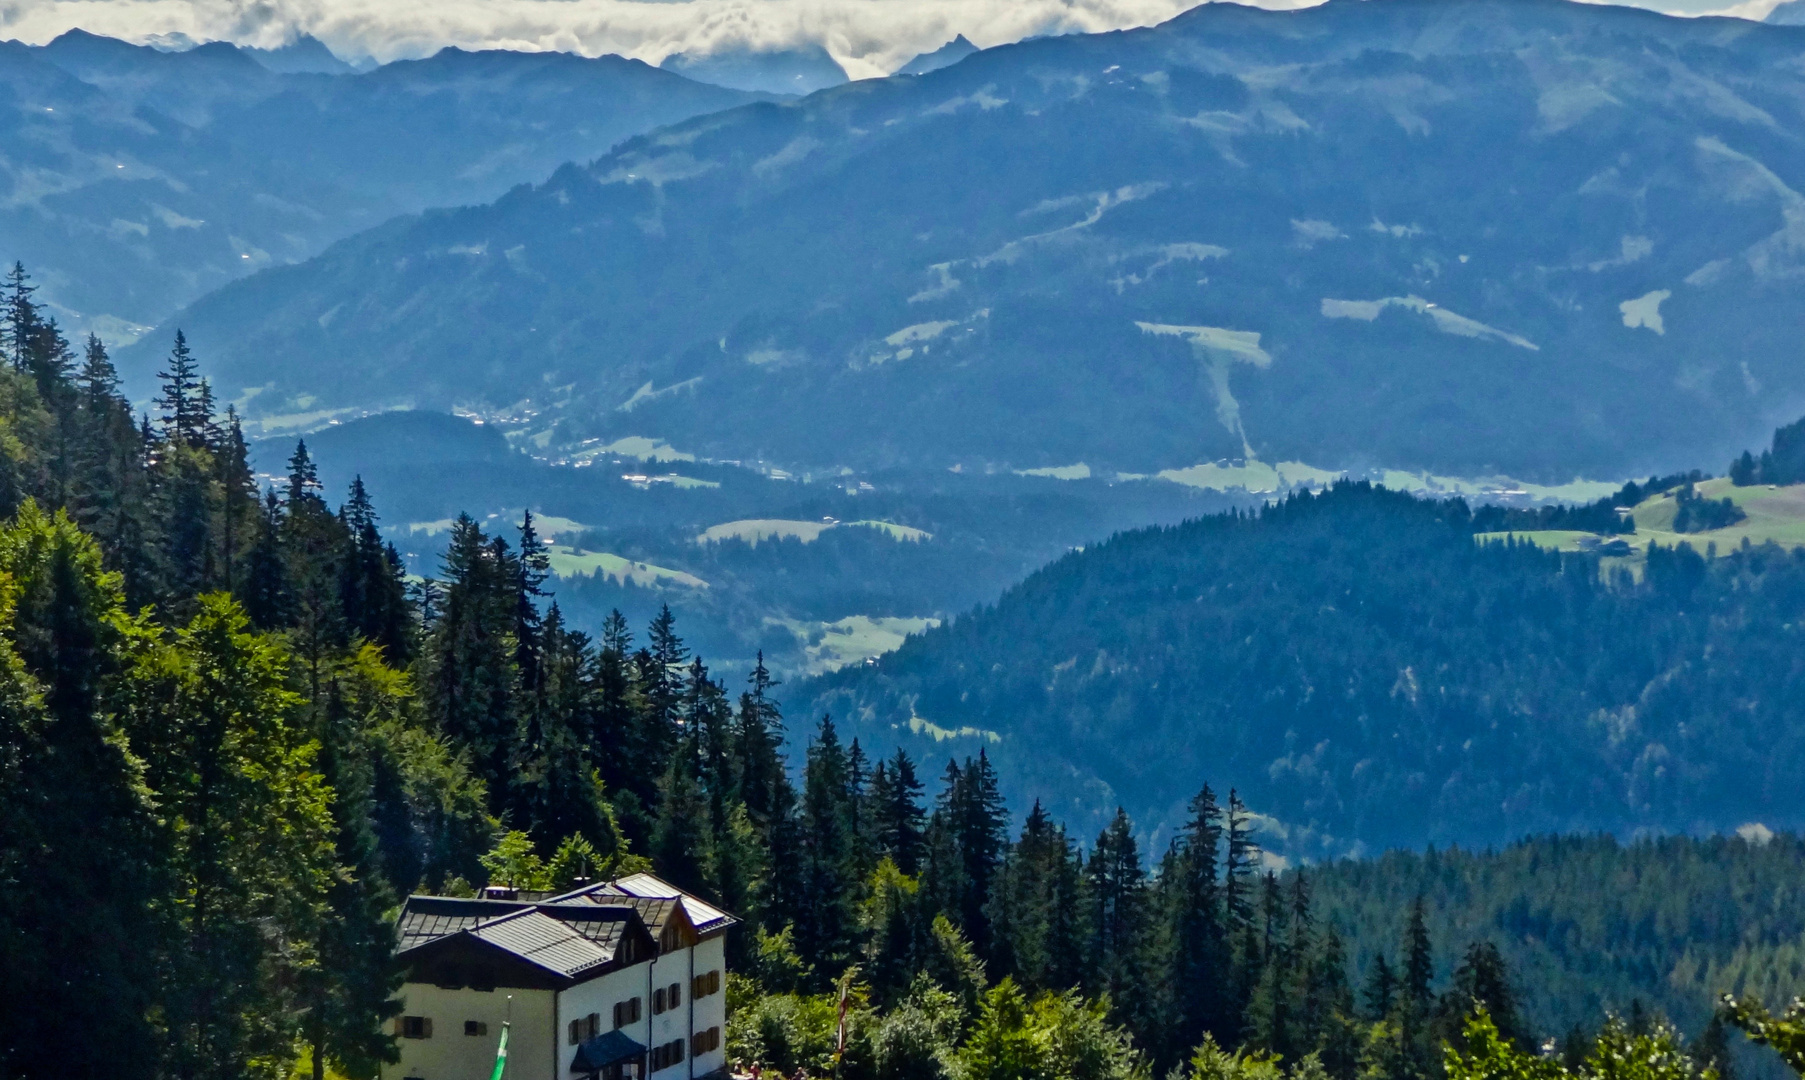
501 1055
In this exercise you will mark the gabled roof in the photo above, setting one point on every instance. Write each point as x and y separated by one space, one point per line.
426 918
653 897
566 940
568 937
551 943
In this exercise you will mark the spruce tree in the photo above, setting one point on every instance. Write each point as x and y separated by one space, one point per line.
898 821
1116 888
830 883
179 398
1200 955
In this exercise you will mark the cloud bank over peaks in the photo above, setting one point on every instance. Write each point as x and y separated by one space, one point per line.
867 37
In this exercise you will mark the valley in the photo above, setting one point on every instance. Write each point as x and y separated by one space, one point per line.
1193 551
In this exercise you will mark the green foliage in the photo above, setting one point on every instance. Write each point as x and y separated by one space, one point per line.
1785 1033
776 964
1210 1062
1488 1054
513 863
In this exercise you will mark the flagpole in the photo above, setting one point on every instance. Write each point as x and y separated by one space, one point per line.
500 1071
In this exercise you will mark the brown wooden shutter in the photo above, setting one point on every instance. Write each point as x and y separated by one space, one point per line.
426 1024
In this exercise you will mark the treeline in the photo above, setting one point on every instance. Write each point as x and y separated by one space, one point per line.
1783 462
1591 924
1607 515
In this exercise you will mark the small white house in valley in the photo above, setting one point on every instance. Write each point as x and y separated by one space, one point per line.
622 980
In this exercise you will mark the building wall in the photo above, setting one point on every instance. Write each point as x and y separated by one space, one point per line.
711 1011
452 1055
672 1024
600 996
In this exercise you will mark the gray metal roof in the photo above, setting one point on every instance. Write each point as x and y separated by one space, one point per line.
540 939
428 918
567 935
654 898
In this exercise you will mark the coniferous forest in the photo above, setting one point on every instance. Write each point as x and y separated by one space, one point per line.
234 733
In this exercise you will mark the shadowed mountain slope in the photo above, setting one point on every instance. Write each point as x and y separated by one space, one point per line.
1367 676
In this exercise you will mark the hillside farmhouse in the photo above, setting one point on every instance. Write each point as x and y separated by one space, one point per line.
621 980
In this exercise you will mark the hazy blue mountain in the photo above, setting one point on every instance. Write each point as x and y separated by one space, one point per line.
133 180
1787 13
1520 235
1367 676
945 56
802 70
302 56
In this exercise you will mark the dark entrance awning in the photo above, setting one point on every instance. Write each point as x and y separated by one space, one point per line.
610 1048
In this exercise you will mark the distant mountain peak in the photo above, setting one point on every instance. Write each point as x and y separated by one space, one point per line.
1787 13
305 55
802 70
949 54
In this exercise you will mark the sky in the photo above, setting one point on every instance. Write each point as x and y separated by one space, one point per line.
868 37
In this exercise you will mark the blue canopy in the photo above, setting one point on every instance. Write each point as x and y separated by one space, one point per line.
610 1048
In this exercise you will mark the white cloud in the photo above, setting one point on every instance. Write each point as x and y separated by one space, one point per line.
868 37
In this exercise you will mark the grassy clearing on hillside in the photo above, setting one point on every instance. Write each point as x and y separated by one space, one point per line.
1775 514
1254 476
756 530
575 562
830 646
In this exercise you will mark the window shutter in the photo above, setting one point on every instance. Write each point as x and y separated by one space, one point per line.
677 1050
675 995
426 1025
714 981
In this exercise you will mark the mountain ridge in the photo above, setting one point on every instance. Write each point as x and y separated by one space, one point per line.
166 174
1474 237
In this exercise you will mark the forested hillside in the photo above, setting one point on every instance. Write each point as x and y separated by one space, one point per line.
1369 676
232 734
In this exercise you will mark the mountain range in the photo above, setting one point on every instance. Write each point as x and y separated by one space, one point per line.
1522 237
133 180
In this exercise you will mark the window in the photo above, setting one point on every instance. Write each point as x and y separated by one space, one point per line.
666 1055
703 1042
416 1027
714 981
626 1012
709 982
658 1001
575 1034
592 1025
673 997
475 1027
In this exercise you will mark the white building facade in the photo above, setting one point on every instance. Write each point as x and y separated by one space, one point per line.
624 980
